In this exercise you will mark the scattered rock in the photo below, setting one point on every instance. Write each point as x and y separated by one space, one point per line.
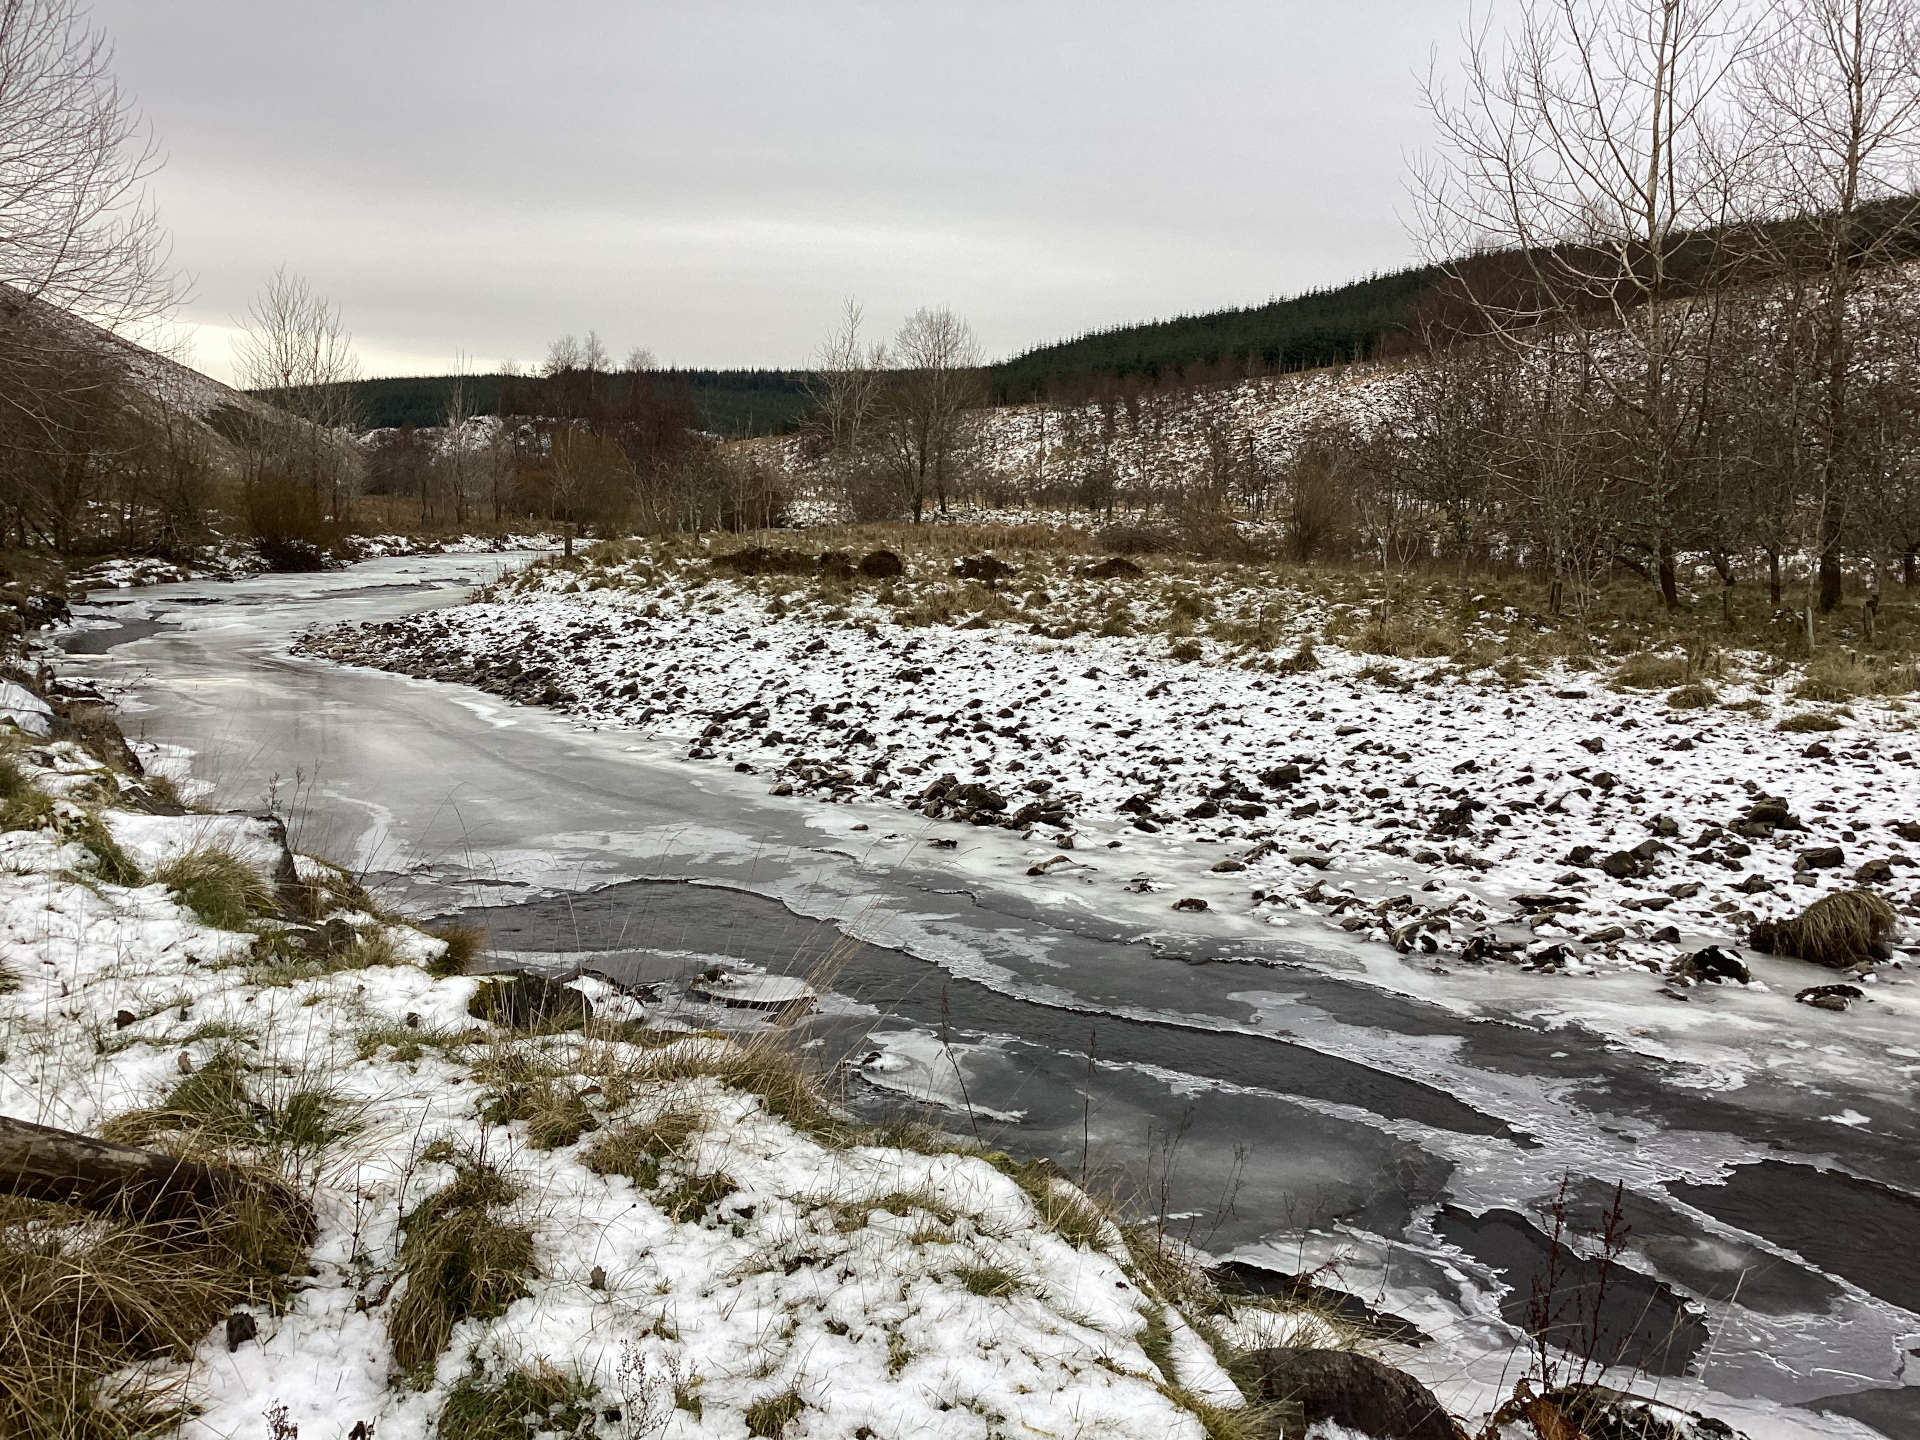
1191 902
1820 857
1280 777
1830 997
1874 872
241 1327
1712 964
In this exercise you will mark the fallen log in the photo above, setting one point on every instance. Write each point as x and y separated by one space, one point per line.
39 1162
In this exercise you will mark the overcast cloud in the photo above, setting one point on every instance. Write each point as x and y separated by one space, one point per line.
710 180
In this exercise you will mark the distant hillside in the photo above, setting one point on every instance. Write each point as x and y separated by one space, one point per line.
1334 326
729 402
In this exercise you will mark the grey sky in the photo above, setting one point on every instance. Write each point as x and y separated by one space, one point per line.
710 180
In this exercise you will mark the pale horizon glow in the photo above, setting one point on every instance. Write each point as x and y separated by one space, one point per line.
713 182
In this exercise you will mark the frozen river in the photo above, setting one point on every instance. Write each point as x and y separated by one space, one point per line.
1399 1133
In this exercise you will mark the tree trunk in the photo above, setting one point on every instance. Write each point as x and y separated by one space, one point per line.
1773 577
38 1162
1669 576
1829 581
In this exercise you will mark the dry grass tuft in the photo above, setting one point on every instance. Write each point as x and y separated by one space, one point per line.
638 1151
771 1415
1809 722
85 1299
1696 696
464 944
762 1068
1647 671
1836 676
23 805
540 1400
554 1111
1835 930
458 1261
218 886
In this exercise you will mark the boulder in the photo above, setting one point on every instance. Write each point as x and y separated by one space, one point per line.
1114 567
835 565
530 1002
882 565
989 570
1348 1389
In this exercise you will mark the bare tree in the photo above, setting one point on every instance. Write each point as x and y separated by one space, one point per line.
457 463
1835 95
639 360
78 235
933 384
845 382
563 355
1592 143
293 346
77 229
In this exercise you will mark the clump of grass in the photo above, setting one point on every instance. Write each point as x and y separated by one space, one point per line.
1186 651
1644 670
84 1300
773 1414
1809 722
23 805
330 889
111 863
761 1068
1835 930
464 943
219 1104
694 1196
218 886
554 1112
1069 1213
459 1262
989 1282
1156 1341
1694 696
408 1042
1165 1270
1836 676
638 1151
539 1400
1302 661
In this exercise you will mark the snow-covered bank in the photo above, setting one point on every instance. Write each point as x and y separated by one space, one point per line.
1549 820
709 1249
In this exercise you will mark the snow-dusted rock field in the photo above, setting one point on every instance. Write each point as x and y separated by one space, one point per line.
1469 809
709 1249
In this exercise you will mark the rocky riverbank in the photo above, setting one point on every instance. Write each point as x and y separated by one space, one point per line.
1560 822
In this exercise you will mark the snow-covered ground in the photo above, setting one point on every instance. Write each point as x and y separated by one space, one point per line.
761 1259
1547 821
